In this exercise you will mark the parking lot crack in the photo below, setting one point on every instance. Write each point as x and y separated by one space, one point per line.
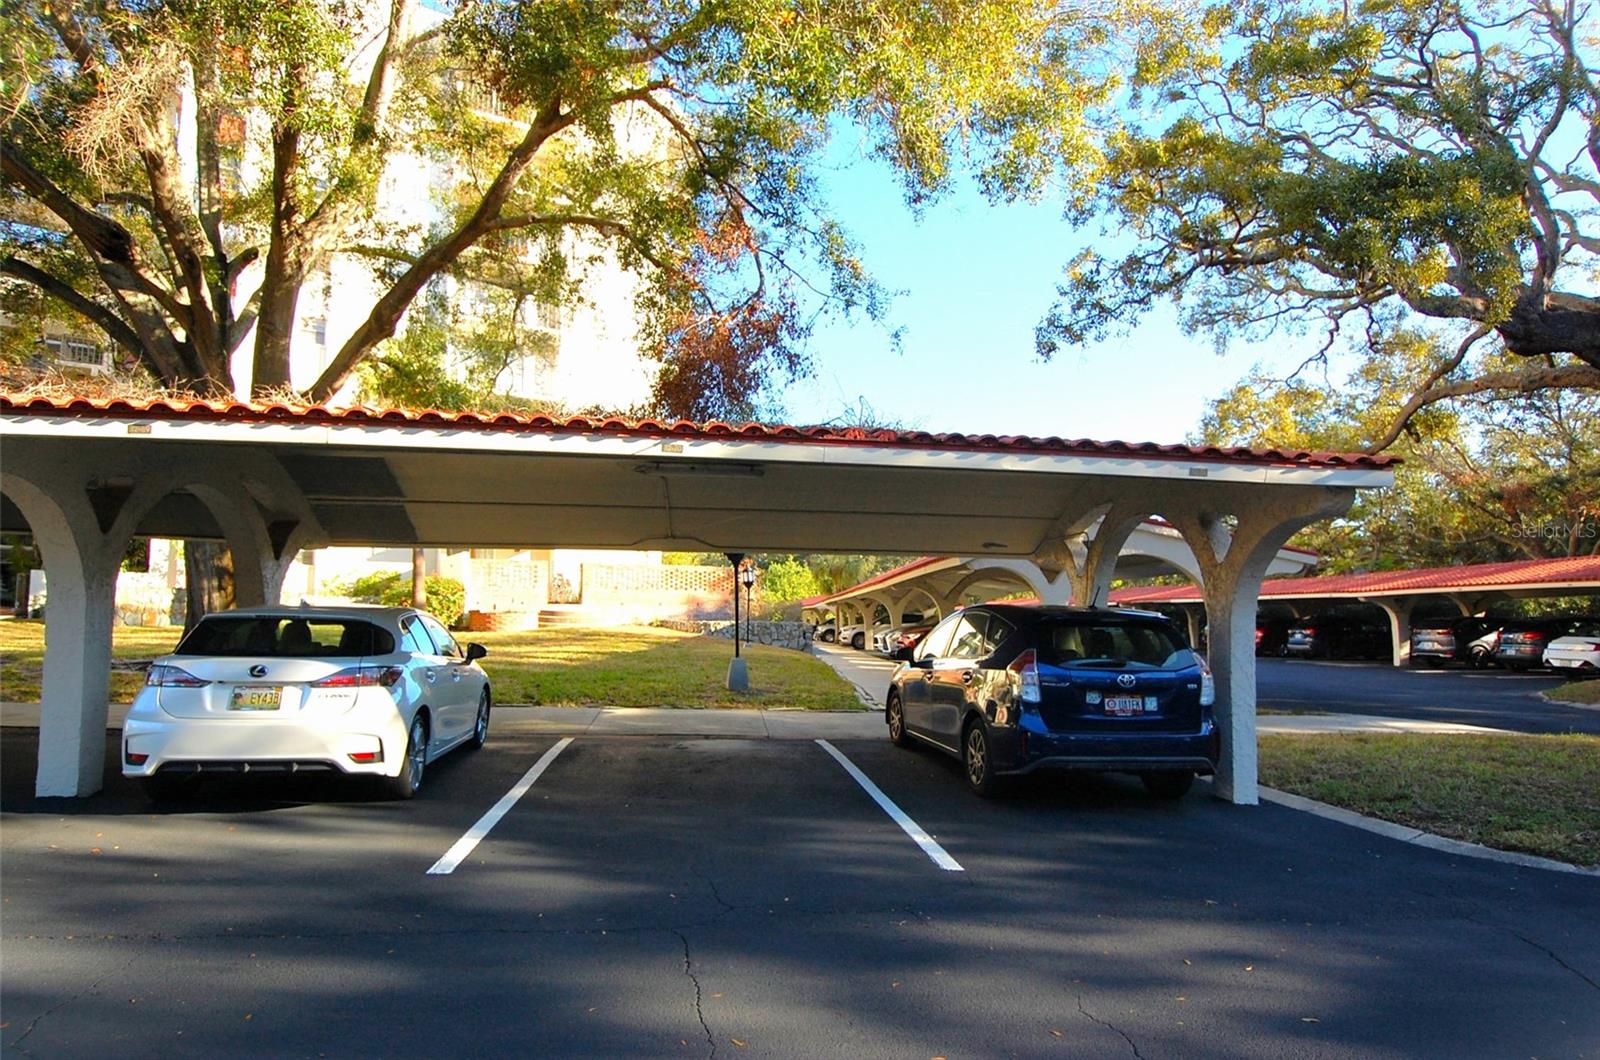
16 1043
699 1010
727 907
1110 1026
1554 956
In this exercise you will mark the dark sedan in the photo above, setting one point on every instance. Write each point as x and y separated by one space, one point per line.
1338 638
1011 689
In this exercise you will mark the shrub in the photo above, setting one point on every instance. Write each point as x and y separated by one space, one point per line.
447 598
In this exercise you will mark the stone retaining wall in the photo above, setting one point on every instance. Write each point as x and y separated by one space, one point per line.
793 635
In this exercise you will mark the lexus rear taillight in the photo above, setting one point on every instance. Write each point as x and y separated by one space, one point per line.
362 677
164 675
1026 667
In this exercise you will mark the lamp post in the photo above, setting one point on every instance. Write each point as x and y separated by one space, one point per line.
748 578
738 675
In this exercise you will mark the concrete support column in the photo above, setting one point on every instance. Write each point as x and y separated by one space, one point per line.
263 544
1399 609
1093 553
1055 590
1233 565
80 529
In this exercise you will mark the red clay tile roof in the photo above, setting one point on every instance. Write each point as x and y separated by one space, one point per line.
888 575
244 412
1580 570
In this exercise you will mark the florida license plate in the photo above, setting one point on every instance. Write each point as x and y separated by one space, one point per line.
255 697
1123 706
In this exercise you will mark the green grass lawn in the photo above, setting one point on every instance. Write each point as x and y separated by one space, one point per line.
648 667
1536 794
22 658
1583 692
628 667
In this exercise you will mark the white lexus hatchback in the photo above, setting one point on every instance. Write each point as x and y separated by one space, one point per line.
375 691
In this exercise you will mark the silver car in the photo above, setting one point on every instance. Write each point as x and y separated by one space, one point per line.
374 691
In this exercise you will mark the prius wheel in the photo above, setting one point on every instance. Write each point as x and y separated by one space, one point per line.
480 728
859 641
1168 785
409 781
897 721
979 764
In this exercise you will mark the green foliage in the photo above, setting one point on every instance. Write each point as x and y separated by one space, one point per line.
446 597
787 579
679 141
1372 172
1493 480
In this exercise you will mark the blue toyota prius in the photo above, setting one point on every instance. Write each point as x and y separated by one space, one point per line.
1011 689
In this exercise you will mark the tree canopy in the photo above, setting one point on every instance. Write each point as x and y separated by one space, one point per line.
1483 480
1369 171
174 170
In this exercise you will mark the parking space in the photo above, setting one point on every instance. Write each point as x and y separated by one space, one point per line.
686 896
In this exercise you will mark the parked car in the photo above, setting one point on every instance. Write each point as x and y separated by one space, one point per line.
1522 641
1338 638
826 632
1576 653
854 635
1011 689
1271 636
1465 640
361 691
885 641
904 639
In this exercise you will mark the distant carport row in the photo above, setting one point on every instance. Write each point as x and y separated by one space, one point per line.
83 476
1472 589
935 585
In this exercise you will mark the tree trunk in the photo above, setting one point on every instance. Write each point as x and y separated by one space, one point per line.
274 329
419 579
208 573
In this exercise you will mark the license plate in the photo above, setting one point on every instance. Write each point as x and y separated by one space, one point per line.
255 697
1122 706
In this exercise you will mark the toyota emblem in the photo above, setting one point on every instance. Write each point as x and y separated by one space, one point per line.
1127 680
258 670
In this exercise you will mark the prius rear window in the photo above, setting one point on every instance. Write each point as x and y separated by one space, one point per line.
277 636
1112 646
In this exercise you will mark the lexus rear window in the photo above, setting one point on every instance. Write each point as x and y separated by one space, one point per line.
278 636
1112 646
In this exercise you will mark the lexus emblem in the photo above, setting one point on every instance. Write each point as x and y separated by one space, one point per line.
1127 680
261 671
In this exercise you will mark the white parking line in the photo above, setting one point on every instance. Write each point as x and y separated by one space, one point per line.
939 855
474 835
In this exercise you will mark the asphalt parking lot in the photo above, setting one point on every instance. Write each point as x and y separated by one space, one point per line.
1497 699
681 896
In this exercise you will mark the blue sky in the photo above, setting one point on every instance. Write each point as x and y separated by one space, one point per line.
976 279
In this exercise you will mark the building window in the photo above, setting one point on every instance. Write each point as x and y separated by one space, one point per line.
76 352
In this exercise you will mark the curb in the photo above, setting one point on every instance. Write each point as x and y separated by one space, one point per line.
1416 837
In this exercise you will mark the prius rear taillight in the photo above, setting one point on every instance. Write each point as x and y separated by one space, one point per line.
1026 667
362 677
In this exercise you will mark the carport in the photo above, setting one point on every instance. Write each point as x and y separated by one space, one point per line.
1471 589
940 584
269 479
